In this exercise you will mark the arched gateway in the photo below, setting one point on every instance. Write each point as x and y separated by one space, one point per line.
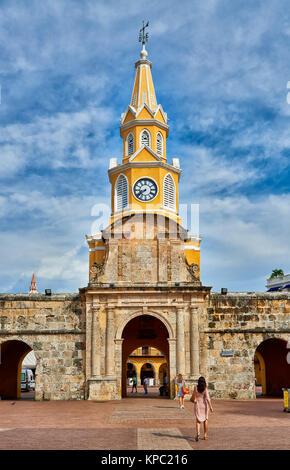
140 331
12 353
272 367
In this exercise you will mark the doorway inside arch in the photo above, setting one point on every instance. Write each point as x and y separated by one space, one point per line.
272 370
148 371
17 371
145 350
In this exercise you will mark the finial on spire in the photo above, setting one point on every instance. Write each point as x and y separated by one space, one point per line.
143 37
33 288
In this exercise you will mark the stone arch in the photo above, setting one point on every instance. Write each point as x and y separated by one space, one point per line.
13 351
134 369
274 352
142 330
134 363
162 366
124 321
260 371
152 369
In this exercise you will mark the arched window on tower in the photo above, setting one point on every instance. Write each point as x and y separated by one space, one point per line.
169 192
130 144
159 143
121 193
145 138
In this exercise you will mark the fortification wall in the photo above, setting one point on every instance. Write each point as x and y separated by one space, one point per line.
234 326
53 326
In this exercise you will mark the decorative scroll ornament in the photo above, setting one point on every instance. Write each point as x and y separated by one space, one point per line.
96 270
193 269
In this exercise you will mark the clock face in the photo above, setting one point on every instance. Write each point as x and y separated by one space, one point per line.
145 189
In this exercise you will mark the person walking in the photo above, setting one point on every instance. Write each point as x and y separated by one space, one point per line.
179 388
134 385
202 404
145 384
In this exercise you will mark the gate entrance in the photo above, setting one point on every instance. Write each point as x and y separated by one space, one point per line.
272 371
12 376
145 350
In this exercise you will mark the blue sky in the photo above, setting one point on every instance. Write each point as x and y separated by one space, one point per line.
220 70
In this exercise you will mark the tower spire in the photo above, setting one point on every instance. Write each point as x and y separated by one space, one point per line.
33 287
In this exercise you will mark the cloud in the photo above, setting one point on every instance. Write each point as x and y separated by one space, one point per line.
207 173
62 140
244 239
220 71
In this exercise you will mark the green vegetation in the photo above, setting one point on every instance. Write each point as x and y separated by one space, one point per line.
277 273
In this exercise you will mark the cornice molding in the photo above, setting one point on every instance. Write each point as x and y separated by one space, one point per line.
158 164
144 122
143 61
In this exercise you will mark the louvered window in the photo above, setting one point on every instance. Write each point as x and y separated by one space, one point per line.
130 144
145 138
144 97
135 99
121 193
159 144
169 192
152 100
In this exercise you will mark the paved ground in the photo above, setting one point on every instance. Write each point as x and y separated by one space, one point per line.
141 423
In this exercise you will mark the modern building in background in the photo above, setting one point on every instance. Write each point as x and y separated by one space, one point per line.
279 284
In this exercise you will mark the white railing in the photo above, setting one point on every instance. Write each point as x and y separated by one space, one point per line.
278 281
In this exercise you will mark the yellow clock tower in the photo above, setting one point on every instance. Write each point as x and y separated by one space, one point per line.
144 288
145 182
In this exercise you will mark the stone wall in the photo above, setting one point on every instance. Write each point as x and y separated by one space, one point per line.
73 346
239 322
54 327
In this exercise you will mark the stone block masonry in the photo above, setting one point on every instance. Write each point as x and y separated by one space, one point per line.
239 323
77 338
54 327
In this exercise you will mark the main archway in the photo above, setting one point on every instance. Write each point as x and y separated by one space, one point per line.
272 370
143 331
12 354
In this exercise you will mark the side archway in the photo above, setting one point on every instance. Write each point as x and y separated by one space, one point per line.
260 372
274 367
12 354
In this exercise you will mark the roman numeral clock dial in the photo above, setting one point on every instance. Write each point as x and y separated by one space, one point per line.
145 189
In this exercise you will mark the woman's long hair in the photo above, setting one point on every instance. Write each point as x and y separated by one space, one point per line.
201 384
179 378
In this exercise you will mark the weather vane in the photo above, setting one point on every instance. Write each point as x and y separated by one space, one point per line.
143 37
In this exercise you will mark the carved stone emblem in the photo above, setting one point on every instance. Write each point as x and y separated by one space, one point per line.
193 269
96 270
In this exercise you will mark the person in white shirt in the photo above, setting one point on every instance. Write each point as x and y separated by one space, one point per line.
145 384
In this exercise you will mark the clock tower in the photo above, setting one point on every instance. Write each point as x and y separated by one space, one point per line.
144 285
145 181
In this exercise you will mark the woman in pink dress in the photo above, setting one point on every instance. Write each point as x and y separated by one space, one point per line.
202 403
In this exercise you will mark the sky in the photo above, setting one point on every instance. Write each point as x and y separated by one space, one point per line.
220 70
